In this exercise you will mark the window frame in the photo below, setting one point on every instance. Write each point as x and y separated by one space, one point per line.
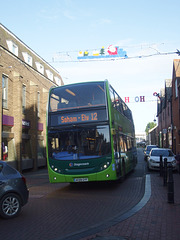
5 91
23 99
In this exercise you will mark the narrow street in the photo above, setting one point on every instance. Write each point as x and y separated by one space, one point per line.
58 210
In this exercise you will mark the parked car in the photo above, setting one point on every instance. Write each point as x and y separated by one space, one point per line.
147 150
13 191
153 160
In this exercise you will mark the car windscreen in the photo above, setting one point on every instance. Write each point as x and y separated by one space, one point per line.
150 147
164 153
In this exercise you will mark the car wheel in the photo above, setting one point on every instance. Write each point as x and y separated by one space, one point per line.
10 205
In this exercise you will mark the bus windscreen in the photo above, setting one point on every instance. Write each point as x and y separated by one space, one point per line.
79 143
77 96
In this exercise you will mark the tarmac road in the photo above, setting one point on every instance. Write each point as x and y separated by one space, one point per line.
64 211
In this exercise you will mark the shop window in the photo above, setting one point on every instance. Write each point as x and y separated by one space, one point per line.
26 145
41 149
5 91
8 149
26 149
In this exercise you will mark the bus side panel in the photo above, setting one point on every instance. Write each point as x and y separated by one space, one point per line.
120 126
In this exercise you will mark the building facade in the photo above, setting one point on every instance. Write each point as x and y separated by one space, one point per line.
169 111
176 106
25 82
152 136
164 113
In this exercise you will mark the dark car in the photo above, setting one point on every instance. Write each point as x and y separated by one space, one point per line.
13 191
147 150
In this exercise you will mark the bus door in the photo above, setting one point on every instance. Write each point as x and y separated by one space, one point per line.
117 156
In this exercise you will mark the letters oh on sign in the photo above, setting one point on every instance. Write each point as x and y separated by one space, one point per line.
136 99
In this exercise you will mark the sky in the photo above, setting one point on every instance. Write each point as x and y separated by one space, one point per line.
147 30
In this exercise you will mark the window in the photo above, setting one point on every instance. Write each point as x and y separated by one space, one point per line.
5 91
38 104
80 143
40 67
23 99
26 149
58 81
12 47
111 90
176 88
76 96
27 58
49 75
41 149
8 149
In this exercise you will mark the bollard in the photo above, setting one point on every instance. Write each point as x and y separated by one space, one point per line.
161 166
170 184
165 172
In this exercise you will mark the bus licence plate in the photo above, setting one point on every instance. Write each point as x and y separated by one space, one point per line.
80 179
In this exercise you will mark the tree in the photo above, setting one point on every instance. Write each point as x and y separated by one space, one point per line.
149 126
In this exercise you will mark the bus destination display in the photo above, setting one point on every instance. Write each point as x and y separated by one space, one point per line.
78 117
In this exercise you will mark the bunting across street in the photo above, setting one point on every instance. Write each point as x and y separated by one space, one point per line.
103 53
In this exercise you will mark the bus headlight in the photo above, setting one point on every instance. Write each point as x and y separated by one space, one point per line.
55 169
104 166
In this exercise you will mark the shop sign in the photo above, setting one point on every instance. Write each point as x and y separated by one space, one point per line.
8 120
26 124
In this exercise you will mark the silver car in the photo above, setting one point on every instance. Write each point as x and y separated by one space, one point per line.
153 160
13 191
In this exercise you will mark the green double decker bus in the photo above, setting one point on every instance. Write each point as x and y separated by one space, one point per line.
90 134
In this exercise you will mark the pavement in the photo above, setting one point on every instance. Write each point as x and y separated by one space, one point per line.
155 218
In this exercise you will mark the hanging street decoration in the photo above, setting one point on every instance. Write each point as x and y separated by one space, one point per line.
111 52
140 99
155 94
136 99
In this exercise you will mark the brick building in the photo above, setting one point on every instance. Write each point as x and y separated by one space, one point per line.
169 111
176 105
164 113
26 80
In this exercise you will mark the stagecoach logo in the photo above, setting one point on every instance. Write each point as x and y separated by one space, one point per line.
78 164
